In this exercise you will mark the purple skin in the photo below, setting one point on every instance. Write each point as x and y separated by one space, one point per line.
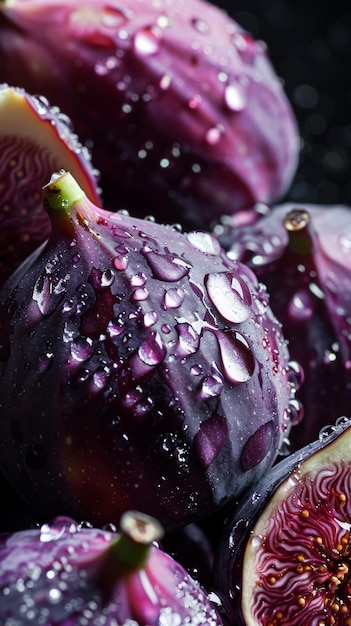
174 98
308 526
307 274
35 140
70 574
140 368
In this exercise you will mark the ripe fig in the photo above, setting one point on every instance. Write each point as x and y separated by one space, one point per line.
173 97
302 254
285 558
139 368
68 574
35 140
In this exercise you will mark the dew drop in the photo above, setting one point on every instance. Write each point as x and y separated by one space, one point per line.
121 262
200 25
112 17
101 377
213 135
210 438
230 295
188 339
211 386
237 358
140 294
234 97
166 267
173 298
150 318
107 278
138 280
152 350
257 446
295 411
82 349
205 242
295 374
147 40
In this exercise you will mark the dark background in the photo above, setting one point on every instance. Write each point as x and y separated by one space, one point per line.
309 44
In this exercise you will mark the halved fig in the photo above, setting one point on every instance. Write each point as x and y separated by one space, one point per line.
35 139
286 556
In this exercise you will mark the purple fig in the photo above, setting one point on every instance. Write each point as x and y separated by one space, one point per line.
173 97
285 555
35 140
139 368
302 254
70 574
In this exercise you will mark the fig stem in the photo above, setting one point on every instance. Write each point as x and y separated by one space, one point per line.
131 549
62 192
297 224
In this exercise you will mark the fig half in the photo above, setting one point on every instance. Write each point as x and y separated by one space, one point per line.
36 139
286 556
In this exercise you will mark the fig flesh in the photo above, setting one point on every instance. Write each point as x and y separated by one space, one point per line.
286 556
174 95
139 367
71 574
35 140
302 254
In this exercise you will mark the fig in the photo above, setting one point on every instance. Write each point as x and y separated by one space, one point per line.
68 574
140 368
35 140
172 97
302 254
285 555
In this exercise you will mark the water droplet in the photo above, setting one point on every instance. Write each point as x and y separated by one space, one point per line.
101 377
205 242
165 82
257 446
237 358
294 411
140 294
213 135
295 374
235 97
188 339
82 349
200 25
173 298
147 41
105 66
210 438
230 295
150 318
112 17
196 370
152 350
107 278
121 262
211 386
166 266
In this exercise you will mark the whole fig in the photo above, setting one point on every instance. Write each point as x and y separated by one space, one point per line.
172 96
285 555
139 368
71 574
35 140
302 254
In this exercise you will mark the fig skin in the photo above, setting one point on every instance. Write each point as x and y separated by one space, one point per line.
301 253
285 551
139 368
173 97
72 574
36 139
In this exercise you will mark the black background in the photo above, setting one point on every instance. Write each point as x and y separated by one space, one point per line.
309 44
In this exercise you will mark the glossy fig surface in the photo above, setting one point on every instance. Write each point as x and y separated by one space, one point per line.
302 254
285 558
140 368
173 97
36 139
71 574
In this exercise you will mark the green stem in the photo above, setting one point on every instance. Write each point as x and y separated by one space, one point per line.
130 550
62 192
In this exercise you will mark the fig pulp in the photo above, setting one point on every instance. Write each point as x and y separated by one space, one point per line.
302 254
35 140
139 367
286 555
68 574
172 96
